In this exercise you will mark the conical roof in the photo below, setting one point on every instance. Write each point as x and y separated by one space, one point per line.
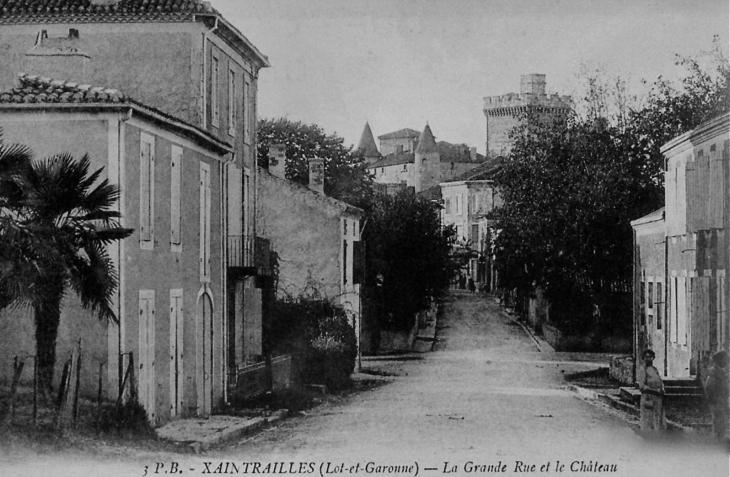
426 143
367 143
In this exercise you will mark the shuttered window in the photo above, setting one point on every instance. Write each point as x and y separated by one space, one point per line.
175 199
147 191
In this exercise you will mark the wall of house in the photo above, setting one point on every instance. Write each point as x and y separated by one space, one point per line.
162 269
306 233
401 144
46 137
394 174
697 197
650 313
134 58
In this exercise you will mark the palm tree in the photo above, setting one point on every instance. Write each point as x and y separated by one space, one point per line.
15 160
69 222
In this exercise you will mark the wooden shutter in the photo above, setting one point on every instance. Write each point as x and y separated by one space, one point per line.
175 198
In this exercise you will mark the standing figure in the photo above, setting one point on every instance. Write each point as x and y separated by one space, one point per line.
716 390
650 383
472 286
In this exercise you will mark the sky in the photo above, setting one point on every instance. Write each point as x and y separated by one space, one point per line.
405 63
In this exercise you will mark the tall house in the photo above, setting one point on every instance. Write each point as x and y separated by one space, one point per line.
183 59
503 113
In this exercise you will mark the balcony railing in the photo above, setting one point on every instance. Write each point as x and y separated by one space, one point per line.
249 251
240 251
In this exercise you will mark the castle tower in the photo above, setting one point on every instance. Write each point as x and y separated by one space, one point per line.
427 158
503 112
367 146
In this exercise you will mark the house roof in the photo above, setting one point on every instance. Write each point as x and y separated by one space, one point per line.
426 143
32 11
457 153
121 11
40 92
400 134
656 216
367 143
484 171
393 160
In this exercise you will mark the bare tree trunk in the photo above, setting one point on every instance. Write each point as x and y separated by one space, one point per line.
47 320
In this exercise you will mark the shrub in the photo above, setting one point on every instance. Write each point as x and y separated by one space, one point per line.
129 418
318 335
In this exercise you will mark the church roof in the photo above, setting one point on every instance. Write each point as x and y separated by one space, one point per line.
400 134
367 143
426 143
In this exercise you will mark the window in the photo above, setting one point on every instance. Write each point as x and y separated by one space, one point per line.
659 305
147 191
146 378
232 103
651 295
214 96
344 262
175 200
344 227
404 167
204 222
248 119
642 303
447 206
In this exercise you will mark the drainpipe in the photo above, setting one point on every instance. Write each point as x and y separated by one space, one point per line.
635 310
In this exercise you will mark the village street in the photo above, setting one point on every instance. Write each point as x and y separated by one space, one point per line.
486 396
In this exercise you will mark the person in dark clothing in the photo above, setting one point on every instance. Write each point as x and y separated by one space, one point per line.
472 286
716 390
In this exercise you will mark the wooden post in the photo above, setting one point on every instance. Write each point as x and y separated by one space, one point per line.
98 393
17 370
78 382
35 390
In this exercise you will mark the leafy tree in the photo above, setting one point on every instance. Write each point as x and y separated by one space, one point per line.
571 187
346 177
407 246
67 221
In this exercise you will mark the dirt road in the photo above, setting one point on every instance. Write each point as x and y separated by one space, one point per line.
485 401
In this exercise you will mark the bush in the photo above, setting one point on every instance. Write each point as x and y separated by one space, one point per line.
318 335
129 418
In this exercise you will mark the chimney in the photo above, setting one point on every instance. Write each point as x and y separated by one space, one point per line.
473 153
277 160
316 174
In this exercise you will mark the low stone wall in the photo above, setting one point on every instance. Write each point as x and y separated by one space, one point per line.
563 342
621 368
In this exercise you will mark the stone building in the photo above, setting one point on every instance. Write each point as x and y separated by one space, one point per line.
171 270
503 113
681 291
187 61
408 158
313 236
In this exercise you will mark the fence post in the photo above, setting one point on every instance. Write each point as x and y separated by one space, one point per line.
17 370
98 393
35 390
78 383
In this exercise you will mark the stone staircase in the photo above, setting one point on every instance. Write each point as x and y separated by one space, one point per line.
675 389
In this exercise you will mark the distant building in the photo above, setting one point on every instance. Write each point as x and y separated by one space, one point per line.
681 290
503 112
408 158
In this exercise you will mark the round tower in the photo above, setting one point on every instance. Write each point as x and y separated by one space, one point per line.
427 170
